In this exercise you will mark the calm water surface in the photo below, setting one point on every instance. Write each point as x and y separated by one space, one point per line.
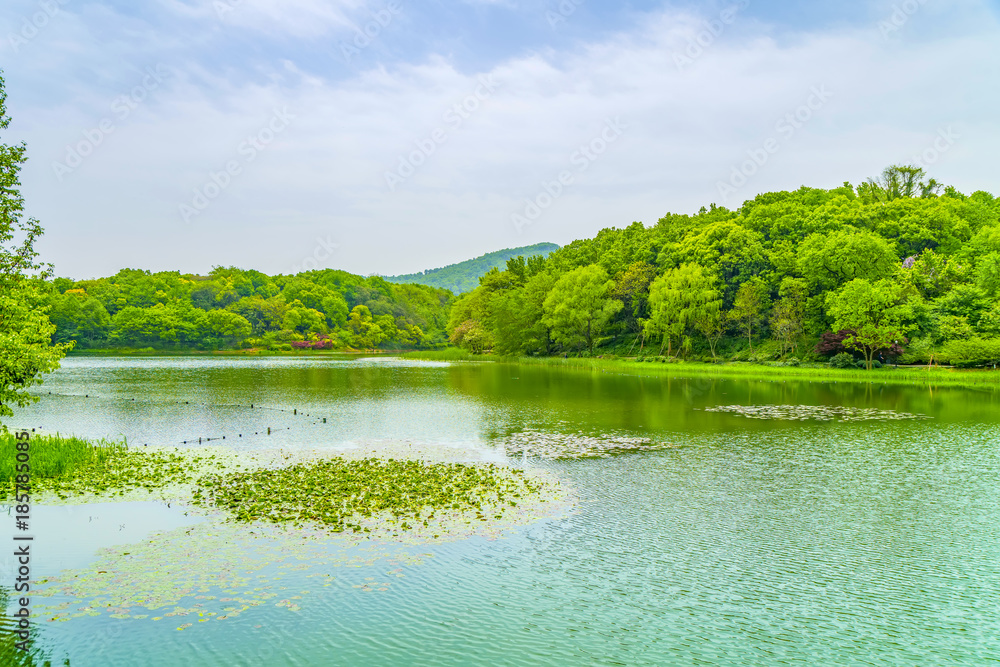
747 542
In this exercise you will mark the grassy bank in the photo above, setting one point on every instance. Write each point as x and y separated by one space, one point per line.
906 375
447 354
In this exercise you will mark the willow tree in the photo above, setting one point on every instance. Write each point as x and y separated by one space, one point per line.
682 297
26 350
579 306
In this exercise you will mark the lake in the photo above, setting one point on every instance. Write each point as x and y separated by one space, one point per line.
787 522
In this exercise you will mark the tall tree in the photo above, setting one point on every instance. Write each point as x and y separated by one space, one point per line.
681 297
579 306
26 350
874 313
749 308
897 182
788 315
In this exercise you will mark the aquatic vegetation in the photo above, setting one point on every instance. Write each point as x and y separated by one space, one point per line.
213 571
339 493
561 446
816 412
54 457
67 467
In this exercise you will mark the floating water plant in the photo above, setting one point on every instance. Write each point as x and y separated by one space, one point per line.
561 446
341 494
69 467
814 412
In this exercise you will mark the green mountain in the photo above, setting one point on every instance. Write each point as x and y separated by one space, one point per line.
464 276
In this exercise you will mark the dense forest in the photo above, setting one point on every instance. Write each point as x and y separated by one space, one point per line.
232 308
896 269
464 276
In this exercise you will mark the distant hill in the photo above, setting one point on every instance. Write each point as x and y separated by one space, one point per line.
464 276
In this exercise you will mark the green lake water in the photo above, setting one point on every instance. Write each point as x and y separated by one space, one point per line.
742 541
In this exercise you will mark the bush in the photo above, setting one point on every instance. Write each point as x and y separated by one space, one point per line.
876 363
842 360
793 361
972 352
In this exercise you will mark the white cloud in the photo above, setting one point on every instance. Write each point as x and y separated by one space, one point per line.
296 18
324 176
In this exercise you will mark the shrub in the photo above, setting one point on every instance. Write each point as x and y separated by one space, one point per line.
842 360
793 361
972 352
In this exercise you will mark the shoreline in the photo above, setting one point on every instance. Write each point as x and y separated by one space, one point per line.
944 376
988 379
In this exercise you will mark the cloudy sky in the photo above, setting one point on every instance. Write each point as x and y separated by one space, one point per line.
390 136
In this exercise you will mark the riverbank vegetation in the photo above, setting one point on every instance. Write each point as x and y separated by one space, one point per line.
232 309
897 269
55 458
25 331
770 371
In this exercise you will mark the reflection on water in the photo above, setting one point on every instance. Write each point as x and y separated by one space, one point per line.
750 541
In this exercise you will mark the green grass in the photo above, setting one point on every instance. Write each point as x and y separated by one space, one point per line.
447 354
54 457
905 375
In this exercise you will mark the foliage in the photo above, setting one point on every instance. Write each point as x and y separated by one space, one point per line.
749 307
842 360
874 314
683 297
464 276
54 457
579 306
972 352
775 263
27 350
234 308
338 493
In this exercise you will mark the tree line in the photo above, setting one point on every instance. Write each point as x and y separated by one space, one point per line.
897 267
234 308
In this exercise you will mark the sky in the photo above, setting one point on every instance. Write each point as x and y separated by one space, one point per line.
392 136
